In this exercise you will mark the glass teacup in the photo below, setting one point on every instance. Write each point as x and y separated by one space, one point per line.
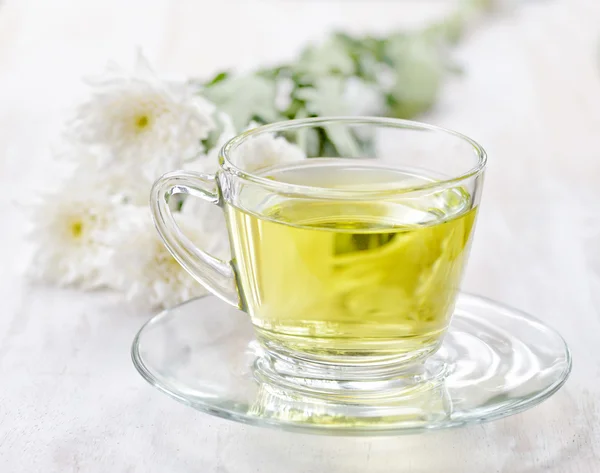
349 257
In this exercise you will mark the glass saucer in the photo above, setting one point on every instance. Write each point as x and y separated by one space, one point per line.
495 361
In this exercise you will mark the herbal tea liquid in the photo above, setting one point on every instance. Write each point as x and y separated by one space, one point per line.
343 278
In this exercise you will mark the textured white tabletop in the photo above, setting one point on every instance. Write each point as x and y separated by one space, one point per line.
70 399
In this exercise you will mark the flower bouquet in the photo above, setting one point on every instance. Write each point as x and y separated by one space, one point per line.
94 229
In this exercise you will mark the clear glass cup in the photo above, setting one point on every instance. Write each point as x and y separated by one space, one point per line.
349 240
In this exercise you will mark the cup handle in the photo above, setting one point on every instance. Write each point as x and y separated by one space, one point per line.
214 274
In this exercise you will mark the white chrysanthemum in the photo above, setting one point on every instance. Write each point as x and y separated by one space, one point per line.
148 126
87 161
284 87
266 150
386 77
215 240
69 230
141 266
209 163
326 97
363 98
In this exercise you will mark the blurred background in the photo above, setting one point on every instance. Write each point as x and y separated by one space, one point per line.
529 93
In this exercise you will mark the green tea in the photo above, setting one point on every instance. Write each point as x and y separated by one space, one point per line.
345 277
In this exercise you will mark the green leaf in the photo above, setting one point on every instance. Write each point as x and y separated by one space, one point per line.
294 109
221 76
329 58
244 98
408 67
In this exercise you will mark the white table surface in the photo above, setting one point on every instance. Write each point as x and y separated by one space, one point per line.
70 399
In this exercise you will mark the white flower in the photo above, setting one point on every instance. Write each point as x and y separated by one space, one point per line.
265 150
141 266
69 229
386 77
209 163
283 93
363 98
147 126
97 162
326 97
214 227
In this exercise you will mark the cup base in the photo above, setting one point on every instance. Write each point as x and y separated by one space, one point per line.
494 361
348 378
